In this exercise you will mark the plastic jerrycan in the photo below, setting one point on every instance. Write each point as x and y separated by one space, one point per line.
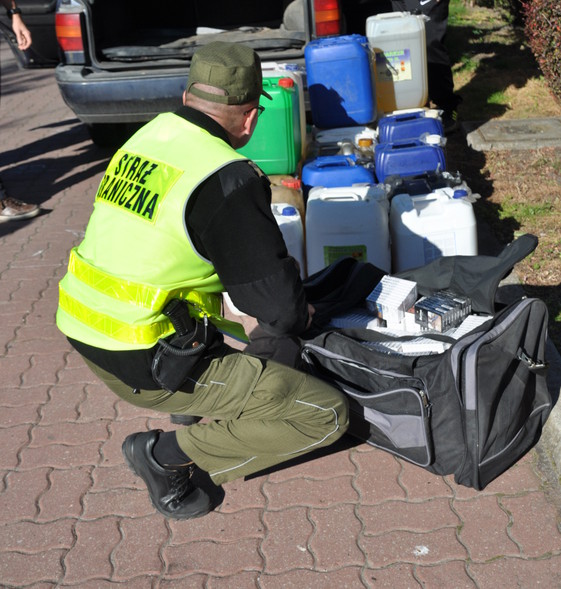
347 221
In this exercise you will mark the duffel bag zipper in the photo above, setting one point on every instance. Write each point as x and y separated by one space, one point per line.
384 373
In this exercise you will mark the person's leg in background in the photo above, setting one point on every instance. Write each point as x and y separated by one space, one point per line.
12 209
441 82
439 69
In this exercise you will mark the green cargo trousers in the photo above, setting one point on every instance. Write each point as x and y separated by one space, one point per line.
262 413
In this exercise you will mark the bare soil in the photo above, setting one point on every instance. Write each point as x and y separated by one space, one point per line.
497 77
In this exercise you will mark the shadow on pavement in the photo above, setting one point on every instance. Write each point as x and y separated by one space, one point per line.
37 171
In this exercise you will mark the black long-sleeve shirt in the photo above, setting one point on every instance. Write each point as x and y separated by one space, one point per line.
230 222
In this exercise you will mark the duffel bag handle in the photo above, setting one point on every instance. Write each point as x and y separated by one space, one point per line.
539 367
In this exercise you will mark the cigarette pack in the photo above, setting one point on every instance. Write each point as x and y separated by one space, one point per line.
469 323
355 318
391 298
441 311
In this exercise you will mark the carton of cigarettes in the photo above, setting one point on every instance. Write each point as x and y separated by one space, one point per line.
391 298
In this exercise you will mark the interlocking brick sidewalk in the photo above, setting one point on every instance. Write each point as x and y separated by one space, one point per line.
73 515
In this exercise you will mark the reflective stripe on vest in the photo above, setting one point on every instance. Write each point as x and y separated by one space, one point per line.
142 295
123 332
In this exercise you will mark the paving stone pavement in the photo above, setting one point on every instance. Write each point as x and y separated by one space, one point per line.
73 515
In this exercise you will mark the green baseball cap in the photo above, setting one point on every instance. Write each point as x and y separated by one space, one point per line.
232 67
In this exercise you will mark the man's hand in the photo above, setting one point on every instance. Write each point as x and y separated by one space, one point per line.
21 32
311 311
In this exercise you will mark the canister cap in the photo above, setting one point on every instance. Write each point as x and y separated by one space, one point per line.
295 183
286 82
289 212
460 193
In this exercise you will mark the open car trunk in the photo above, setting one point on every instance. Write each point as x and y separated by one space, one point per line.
167 33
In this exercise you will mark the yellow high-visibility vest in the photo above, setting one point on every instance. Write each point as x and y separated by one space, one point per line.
136 254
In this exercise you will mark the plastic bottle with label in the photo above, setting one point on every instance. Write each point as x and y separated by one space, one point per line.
292 229
288 190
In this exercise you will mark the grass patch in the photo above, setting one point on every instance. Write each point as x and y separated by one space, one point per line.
523 212
497 98
467 64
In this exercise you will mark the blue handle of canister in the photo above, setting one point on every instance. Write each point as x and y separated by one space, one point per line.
326 161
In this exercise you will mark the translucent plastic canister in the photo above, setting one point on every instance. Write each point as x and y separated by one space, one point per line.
399 60
298 75
328 141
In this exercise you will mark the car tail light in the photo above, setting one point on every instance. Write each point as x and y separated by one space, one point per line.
69 33
328 17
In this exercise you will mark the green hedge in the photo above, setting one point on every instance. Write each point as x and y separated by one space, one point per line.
543 30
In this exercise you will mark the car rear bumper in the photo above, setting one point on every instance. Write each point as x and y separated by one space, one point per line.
114 97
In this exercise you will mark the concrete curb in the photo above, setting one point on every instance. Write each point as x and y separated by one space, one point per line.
550 441
520 134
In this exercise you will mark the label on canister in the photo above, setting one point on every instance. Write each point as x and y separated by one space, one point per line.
394 66
332 253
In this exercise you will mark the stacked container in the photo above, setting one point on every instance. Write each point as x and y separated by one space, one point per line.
347 221
292 229
397 41
298 75
335 170
288 190
340 82
409 157
328 141
276 144
409 124
428 226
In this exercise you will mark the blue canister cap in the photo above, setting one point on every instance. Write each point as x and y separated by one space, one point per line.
288 212
460 193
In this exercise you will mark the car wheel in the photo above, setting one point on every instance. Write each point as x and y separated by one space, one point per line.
110 134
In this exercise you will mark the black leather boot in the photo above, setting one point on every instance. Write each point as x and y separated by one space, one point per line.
171 491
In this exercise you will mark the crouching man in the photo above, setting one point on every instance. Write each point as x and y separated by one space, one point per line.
178 218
